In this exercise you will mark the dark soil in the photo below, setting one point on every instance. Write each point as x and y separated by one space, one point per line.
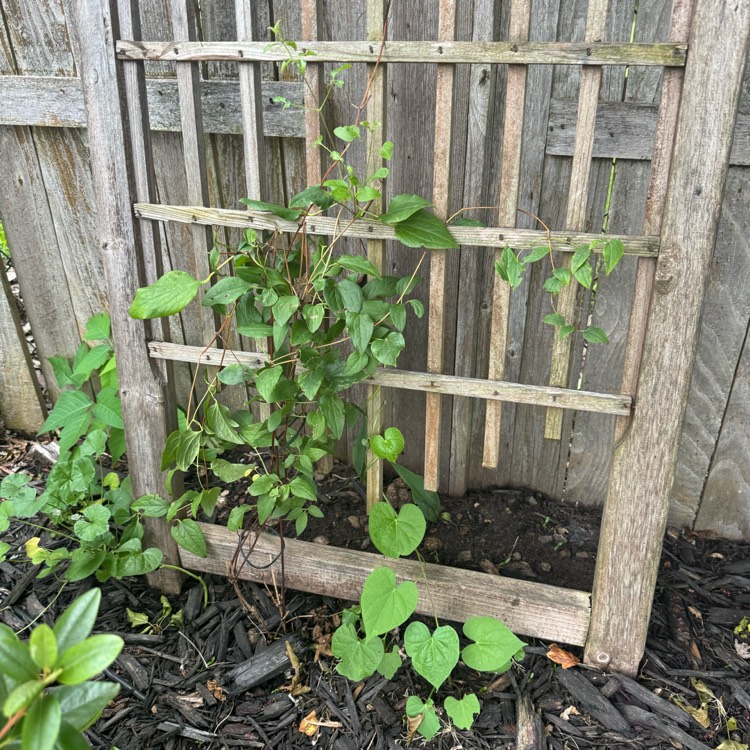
179 689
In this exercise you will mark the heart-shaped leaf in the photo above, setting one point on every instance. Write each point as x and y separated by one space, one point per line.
384 605
494 644
359 658
167 296
434 655
396 535
462 712
423 718
388 446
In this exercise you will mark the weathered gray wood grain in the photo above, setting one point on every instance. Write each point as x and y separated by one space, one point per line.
644 462
21 402
143 394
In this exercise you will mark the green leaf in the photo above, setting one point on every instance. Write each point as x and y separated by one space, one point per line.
108 408
389 664
22 697
580 258
430 724
424 229
87 658
462 712
359 658
347 133
595 335
565 331
84 561
15 658
334 411
357 264
360 327
71 407
494 644
221 424
265 382
509 268
312 195
554 319
94 523
563 275
167 296
387 350
434 655
255 330
313 315
290 214
398 315
304 488
427 502
536 254
186 448
43 646
233 374
385 606
225 291
584 276
613 252
284 308
138 563
229 472
367 194
464 222
97 327
351 295
236 517
76 623
386 150
70 738
189 536
93 360
82 704
553 285
401 207
389 446
310 381
396 535
42 724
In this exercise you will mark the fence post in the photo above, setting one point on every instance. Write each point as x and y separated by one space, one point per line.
643 465
143 391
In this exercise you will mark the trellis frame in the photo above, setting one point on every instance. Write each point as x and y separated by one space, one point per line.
643 465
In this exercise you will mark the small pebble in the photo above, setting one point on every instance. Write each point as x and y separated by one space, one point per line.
489 567
354 521
365 543
583 555
432 544
564 553
544 567
557 538
321 540
544 539
531 500
463 556
516 556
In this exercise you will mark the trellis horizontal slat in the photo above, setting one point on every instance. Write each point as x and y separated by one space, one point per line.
57 102
645 246
426 382
519 53
528 608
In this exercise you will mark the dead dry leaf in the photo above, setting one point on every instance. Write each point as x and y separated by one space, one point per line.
732 745
562 657
565 715
412 724
695 613
218 691
699 714
705 694
309 725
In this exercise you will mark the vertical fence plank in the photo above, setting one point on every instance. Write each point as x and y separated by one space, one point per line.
515 96
144 400
440 181
588 99
644 462
375 113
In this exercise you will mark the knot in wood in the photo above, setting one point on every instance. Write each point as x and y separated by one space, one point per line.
664 279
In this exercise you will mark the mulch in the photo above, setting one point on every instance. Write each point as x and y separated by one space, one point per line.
245 669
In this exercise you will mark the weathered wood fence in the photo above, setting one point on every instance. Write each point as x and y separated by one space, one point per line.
47 206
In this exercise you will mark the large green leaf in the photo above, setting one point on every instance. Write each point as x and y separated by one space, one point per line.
225 291
108 408
94 523
87 658
494 644
266 380
93 360
387 350
360 327
167 296
290 214
401 207
188 535
15 659
358 264
220 422
385 605
424 229
22 697
334 411
41 724
429 726
359 658
71 407
388 446
70 738
284 307
396 535
98 327
428 502
82 704
76 623
43 646
462 712
434 655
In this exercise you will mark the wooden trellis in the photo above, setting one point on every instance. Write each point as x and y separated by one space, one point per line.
691 155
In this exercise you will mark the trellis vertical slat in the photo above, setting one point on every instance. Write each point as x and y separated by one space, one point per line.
588 99
144 399
510 177
643 465
440 181
376 27
191 119
661 160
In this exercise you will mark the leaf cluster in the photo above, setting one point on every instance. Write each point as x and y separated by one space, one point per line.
82 502
47 691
